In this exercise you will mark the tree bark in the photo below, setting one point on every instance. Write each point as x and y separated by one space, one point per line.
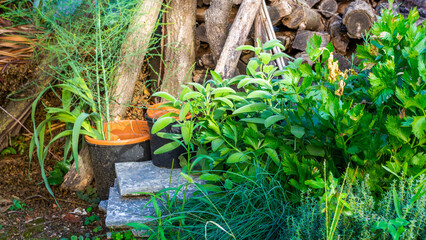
78 181
238 33
217 23
358 18
180 49
134 50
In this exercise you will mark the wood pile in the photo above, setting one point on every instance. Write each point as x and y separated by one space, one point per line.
343 22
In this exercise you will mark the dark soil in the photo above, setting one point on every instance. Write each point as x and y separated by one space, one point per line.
14 78
42 217
21 183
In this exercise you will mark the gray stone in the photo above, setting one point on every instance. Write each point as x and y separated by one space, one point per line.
103 205
122 211
137 178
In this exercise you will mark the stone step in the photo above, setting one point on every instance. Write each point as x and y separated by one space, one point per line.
136 178
121 211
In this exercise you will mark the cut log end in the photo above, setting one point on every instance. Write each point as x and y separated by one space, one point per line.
358 18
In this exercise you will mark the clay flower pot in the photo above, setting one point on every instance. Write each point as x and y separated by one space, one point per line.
129 142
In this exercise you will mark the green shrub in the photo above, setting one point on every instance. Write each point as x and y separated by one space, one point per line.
289 121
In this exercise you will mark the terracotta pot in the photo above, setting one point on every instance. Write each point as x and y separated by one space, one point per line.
129 142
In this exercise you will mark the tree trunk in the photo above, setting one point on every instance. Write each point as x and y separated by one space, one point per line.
238 33
217 23
180 45
134 50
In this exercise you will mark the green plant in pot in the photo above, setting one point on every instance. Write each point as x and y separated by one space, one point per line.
86 54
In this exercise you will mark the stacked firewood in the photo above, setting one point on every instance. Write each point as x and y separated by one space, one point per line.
343 22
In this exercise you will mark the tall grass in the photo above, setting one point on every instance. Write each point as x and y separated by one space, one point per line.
260 210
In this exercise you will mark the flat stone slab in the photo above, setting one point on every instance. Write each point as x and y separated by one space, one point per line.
121 211
103 205
136 178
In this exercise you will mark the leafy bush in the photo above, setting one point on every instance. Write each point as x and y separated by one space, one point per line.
289 121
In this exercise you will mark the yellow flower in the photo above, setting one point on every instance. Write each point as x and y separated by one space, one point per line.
333 69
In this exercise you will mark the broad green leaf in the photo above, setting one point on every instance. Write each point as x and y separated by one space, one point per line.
217 143
167 147
223 90
273 43
298 131
316 184
228 184
245 47
75 136
186 131
165 95
198 86
315 151
265 57
260 94
216 77
192 95
260 82
237 157
253 120
419 126
396 203
273 155
210 177
225 101
254 107
273 119
393 125
161 123
184 111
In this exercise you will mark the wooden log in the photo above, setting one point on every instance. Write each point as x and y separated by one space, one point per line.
302 36
358 18
279 9
133 50
259 30
311 3
341 6
302 17
305 57
328 8
312 21
237 36
78 181
286 38
179 56
201 14
200 33
217 22
338 35
207 61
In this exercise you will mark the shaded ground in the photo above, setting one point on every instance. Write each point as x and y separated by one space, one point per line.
28 211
